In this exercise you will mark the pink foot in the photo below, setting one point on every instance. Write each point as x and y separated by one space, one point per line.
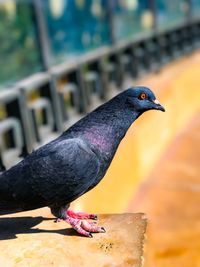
81 215
83 227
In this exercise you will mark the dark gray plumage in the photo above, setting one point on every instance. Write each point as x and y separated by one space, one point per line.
64 169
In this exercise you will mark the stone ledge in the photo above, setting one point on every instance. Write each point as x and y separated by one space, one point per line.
33 239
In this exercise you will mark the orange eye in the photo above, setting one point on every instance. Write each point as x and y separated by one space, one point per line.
142 96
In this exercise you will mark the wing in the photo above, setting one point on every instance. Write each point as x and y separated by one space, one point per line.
63 170
55 174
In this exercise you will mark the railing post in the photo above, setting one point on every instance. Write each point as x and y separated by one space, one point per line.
46 59
42 34
110 19
154 13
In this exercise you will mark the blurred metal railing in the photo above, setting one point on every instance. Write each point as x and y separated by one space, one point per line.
63 93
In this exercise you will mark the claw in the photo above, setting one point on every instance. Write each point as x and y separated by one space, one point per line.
93 217
90 235
57 220
103 229
84 227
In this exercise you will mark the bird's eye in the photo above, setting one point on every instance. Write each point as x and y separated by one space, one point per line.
143 96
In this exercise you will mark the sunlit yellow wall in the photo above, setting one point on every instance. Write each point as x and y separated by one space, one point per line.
178 89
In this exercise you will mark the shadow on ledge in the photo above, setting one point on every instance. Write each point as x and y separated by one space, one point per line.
10 227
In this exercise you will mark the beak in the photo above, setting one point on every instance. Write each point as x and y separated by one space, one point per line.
158 106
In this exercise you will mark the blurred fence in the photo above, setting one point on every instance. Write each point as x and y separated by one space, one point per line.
60 58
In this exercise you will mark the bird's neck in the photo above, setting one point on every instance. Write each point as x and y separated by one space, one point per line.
106 127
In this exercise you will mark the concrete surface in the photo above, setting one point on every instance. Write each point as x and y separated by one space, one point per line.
34 239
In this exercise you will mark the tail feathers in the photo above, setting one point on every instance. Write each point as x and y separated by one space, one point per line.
8 208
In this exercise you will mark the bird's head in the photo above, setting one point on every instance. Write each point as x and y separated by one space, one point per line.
142 99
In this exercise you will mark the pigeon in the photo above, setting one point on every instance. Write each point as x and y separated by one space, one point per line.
59 172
